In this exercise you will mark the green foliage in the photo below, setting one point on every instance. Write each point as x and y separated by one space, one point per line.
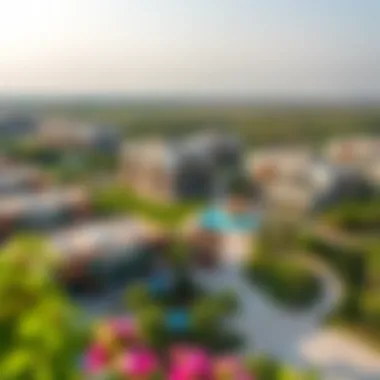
286 281
137 297
359 216
256 124
151 319
226 302
118 200
371 308
266 368
40 333
350 262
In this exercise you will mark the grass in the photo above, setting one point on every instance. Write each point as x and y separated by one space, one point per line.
286 281
116 200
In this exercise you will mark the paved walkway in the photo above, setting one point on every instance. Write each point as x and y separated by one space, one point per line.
297 338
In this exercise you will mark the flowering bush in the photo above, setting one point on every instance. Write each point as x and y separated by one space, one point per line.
119 352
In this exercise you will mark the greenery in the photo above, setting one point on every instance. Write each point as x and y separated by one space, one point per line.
359 216
256 124
205 314
41 336
357 261
266 368
286 281
64 165
118 200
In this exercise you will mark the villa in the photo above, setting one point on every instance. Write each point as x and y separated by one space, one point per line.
361 153
356 151
187 168
44 209
270 165
106 251
296 178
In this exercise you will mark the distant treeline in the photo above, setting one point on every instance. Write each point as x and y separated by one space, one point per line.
257 125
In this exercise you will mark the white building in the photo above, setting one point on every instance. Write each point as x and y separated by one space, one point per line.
105 254
42 209
279 164
357 151
361 153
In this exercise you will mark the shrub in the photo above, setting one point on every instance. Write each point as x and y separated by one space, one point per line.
287 282
40 331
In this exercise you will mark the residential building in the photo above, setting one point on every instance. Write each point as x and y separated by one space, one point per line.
65 133
186 168
359 152
355 151
17 178
44 209
106 253
274 164
296 178
16 127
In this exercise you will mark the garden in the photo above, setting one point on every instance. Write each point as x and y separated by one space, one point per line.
169 328
355 257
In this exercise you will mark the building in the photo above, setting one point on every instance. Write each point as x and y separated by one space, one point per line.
359 152
16 178
106 253
69 134
296 178
45 209
275 164
186 168
354 151
16 127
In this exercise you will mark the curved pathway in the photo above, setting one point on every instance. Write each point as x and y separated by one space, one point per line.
298 338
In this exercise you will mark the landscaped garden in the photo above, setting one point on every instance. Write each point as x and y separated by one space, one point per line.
117 199
170 329
356 259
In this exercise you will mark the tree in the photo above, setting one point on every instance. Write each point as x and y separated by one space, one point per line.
40 331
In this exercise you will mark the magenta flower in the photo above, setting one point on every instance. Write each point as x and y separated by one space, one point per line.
95 360
189 363
140 363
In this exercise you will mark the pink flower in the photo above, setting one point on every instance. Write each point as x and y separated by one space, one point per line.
139 362
95 360
189 363
124 328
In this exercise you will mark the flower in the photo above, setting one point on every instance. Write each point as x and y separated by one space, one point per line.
95 359
124 328
189 363
139 362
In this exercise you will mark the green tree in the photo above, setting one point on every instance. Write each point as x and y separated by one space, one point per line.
40 331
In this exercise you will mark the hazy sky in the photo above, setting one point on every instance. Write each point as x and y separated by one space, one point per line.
282 48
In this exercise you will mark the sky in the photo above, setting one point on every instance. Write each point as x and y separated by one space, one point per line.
254 48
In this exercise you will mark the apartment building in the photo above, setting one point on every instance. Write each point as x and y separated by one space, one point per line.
186 168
